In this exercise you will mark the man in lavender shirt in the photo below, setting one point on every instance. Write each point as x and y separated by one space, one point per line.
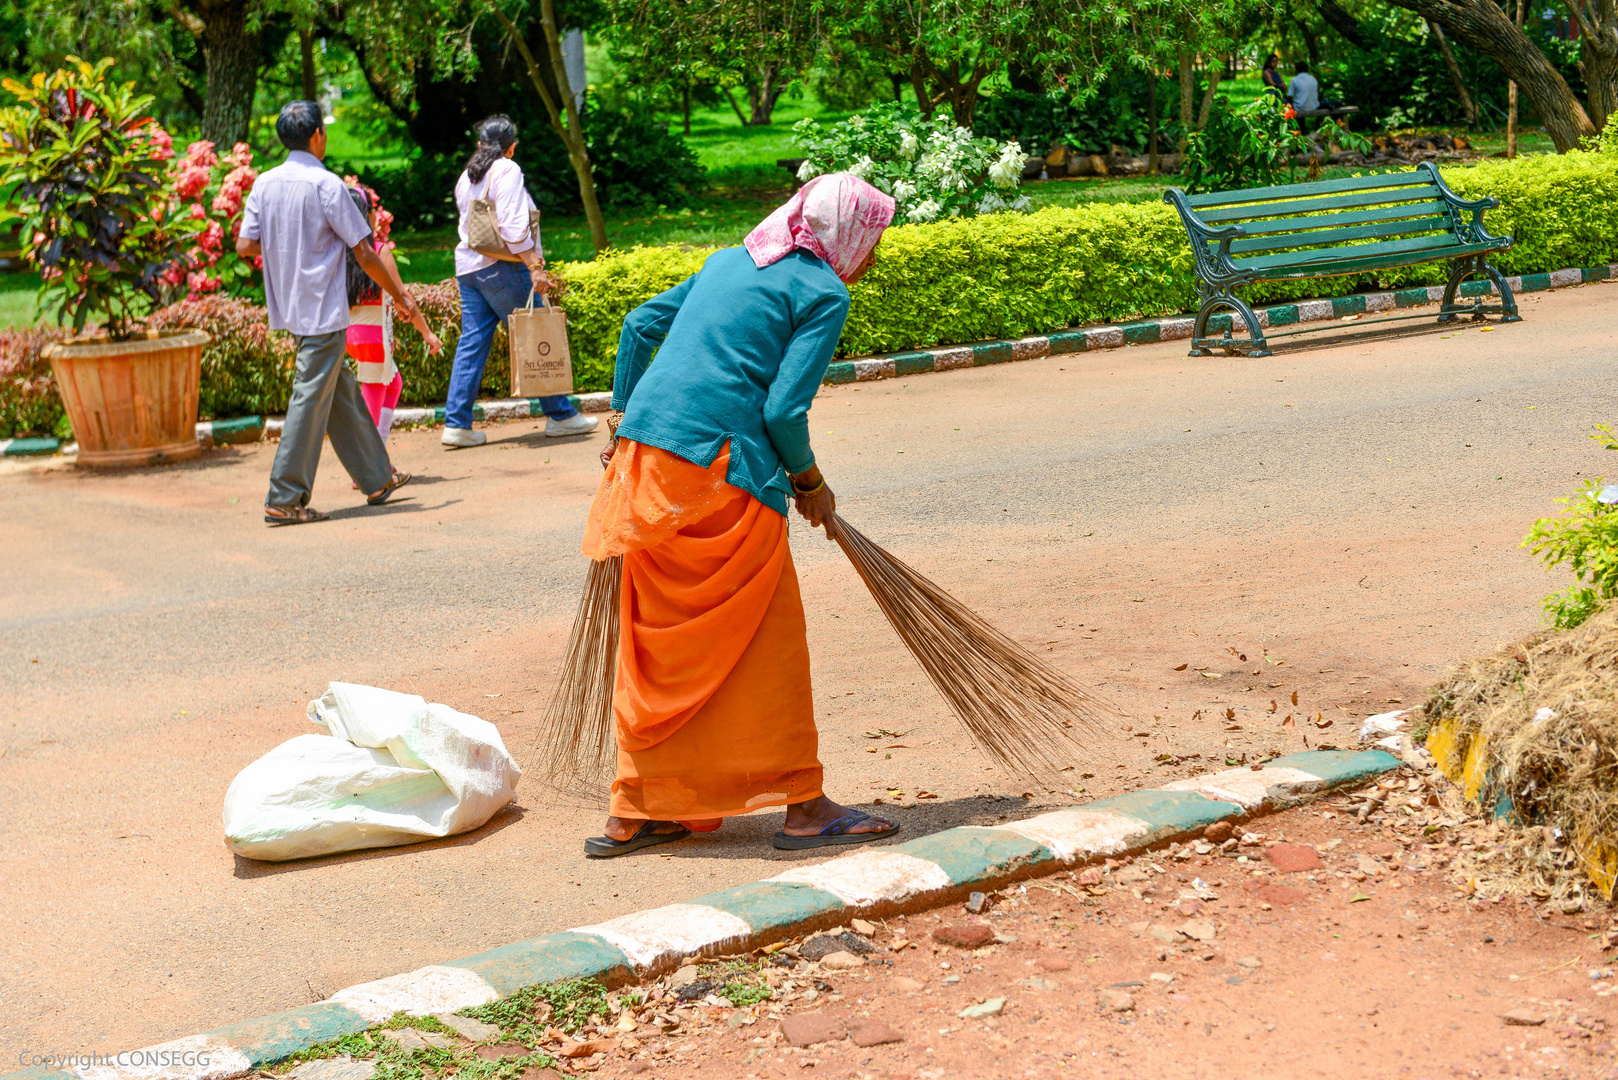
300 218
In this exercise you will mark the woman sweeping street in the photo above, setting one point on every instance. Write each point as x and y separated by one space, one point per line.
712 705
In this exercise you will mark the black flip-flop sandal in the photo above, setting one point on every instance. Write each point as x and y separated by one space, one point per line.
605 847
834 834
400 479
292 515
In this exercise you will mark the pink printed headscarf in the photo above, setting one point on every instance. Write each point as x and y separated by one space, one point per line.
838 217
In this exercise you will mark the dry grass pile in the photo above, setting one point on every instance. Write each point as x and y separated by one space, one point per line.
1538 721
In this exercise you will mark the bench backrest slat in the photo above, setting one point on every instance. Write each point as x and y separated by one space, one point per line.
1295 207
1390 247
1427 208
1318 187
1337 237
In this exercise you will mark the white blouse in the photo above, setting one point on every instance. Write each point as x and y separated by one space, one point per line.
503 184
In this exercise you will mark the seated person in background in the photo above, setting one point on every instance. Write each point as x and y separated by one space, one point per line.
1273 83
1304 91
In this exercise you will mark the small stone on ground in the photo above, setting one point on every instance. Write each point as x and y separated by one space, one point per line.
1116 1000
992 1007
474 1030
1294 858
1523 1018
873 1033
338 1068
807 1029
964 935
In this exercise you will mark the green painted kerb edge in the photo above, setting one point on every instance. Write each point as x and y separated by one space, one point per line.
772 905
968 855
1167 813
274 1038
1338 766
548 958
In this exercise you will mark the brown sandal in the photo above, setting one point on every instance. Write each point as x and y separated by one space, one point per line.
291 515
400 479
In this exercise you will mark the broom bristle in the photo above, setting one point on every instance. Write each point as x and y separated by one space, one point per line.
579 750
1022 711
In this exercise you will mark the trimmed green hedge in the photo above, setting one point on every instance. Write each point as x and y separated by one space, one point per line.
944 283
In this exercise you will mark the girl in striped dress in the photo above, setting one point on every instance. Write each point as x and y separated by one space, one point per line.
370 326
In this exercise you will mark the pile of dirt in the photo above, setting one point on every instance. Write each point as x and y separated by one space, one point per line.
1531 736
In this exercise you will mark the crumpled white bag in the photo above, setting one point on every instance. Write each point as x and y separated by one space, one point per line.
392 770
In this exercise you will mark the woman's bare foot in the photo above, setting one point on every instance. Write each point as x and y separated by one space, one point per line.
809 818
620 828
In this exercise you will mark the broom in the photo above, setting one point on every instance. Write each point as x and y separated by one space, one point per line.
1021 710
577 732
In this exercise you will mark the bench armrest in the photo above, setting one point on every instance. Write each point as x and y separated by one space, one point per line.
1477 206
1473 230
1201 233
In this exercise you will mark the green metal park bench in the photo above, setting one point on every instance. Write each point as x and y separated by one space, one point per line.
1329 228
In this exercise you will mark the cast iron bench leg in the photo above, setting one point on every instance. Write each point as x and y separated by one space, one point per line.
1508 303
1215 297
1464 268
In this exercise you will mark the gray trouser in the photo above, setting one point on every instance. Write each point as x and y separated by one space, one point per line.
326 401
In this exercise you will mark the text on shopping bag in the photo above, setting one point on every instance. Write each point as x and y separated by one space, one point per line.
541 364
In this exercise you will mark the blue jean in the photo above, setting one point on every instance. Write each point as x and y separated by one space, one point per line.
487 297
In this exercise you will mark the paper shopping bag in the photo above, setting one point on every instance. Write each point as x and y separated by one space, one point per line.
541 364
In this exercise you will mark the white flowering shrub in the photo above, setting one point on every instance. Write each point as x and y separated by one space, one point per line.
932 168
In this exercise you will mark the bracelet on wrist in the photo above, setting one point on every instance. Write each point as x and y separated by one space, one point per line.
806 492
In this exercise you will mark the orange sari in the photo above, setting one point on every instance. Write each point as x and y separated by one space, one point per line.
712 704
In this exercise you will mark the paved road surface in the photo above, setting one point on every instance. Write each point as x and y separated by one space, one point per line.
1351 508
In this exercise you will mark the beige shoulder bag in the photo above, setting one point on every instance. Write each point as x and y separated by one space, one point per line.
483 230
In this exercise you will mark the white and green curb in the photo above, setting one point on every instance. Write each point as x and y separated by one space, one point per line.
497 409
948 357
1178 327
872 882
29 447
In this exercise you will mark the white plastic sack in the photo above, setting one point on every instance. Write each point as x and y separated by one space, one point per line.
392 770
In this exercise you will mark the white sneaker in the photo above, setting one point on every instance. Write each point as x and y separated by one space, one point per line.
459 437
577 424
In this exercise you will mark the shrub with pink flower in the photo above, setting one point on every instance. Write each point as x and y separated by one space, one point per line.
384 220
211 188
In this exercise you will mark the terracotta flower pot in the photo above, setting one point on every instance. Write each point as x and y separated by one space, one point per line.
132 402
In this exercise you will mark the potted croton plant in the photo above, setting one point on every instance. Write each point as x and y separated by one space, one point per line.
84 166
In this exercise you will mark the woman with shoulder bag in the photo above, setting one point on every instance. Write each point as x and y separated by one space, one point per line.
498 263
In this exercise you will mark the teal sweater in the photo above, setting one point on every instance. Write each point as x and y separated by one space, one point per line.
740 354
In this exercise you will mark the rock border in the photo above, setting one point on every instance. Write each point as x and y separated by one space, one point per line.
912 876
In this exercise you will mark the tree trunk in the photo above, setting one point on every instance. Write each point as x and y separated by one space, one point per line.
1455 74
1214 72
1311 42
1486 28
1598 55
564 120
1188 94
1151 124
918 83
230 51
1511 101
685 101
898 81
761 98
306 52
735 108
1338 18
